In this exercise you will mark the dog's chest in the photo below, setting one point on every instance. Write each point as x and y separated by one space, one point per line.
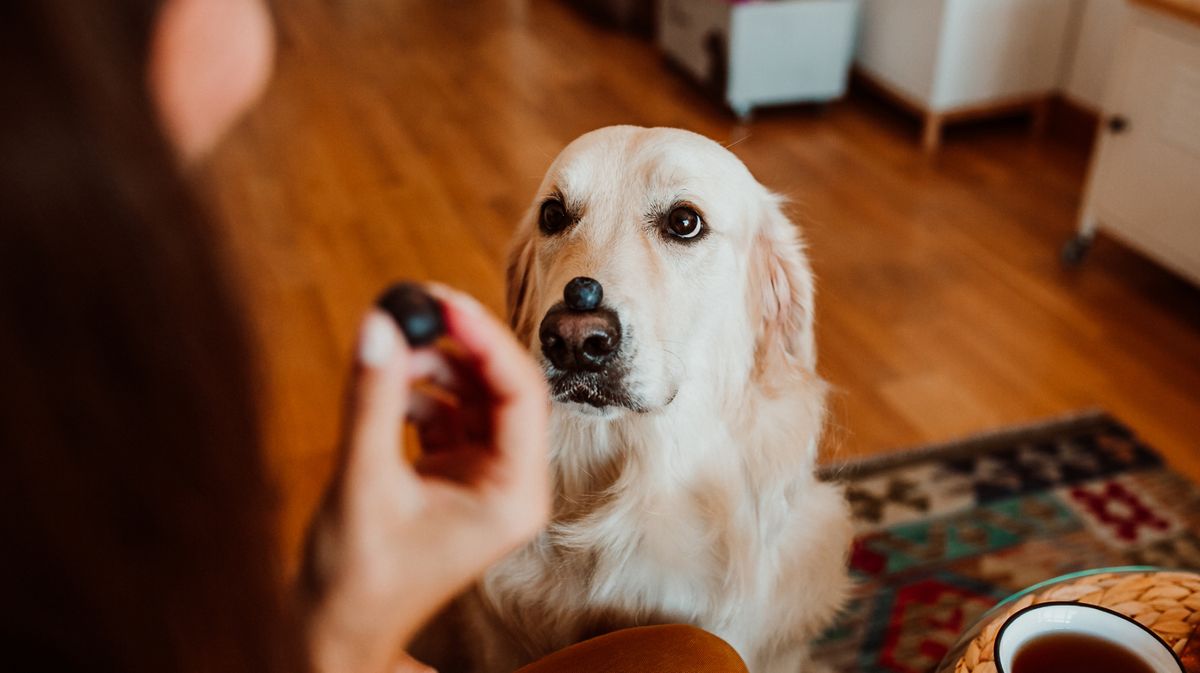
660 559
638 563
642 537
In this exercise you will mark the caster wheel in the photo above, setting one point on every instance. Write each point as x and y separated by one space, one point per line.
1074 250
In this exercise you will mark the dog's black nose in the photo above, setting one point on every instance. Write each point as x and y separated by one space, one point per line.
583 294
579 340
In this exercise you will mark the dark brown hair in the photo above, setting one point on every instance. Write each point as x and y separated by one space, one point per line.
135 518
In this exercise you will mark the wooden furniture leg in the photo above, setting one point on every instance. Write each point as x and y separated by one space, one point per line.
1041 117
931 132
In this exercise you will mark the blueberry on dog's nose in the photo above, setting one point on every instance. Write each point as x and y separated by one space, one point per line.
583 294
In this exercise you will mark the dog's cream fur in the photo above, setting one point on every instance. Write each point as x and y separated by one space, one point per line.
701 505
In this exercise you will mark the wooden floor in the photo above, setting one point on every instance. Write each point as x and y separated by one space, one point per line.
403 138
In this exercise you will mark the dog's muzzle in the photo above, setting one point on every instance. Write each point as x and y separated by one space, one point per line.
581 340
578 335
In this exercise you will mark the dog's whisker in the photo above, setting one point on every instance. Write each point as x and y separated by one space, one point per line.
739 140
678 359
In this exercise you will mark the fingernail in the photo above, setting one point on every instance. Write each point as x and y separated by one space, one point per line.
377 341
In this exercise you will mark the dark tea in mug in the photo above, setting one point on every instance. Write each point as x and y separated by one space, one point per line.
1076 653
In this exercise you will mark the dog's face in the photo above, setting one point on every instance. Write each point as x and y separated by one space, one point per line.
652 263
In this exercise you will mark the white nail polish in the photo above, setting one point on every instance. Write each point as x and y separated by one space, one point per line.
377 341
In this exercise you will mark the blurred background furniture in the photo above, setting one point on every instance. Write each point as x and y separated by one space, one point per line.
1144 183
635 16
949 60
761 53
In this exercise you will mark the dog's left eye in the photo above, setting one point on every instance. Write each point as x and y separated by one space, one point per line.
684 222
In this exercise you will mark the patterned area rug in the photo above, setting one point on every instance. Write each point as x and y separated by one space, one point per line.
946 532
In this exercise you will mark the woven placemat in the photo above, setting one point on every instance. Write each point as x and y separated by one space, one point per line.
1166 602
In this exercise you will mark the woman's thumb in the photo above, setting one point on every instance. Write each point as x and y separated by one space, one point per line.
379 395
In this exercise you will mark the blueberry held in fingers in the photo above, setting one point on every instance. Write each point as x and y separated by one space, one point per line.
418 314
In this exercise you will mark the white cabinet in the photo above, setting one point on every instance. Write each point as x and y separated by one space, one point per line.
1144 184
955 59
762 53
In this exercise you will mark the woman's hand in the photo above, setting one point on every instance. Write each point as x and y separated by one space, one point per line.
394 540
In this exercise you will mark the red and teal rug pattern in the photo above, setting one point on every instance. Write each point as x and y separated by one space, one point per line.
946 532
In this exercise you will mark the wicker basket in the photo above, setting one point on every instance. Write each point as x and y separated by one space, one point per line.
1166 602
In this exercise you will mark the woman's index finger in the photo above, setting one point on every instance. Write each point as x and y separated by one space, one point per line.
505 367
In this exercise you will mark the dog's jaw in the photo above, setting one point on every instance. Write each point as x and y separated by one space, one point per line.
597 396
595 402
608 393
605 413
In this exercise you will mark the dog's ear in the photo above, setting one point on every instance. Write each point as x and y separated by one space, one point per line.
781 294
520 258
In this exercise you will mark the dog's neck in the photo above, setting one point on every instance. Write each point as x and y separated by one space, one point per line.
759 439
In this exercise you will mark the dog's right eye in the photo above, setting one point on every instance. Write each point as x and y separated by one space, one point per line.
554 217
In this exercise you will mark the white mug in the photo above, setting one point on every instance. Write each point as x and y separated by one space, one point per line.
1047 619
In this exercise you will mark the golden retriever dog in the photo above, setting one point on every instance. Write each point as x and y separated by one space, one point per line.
670 303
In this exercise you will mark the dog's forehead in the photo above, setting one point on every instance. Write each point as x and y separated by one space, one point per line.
655 159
